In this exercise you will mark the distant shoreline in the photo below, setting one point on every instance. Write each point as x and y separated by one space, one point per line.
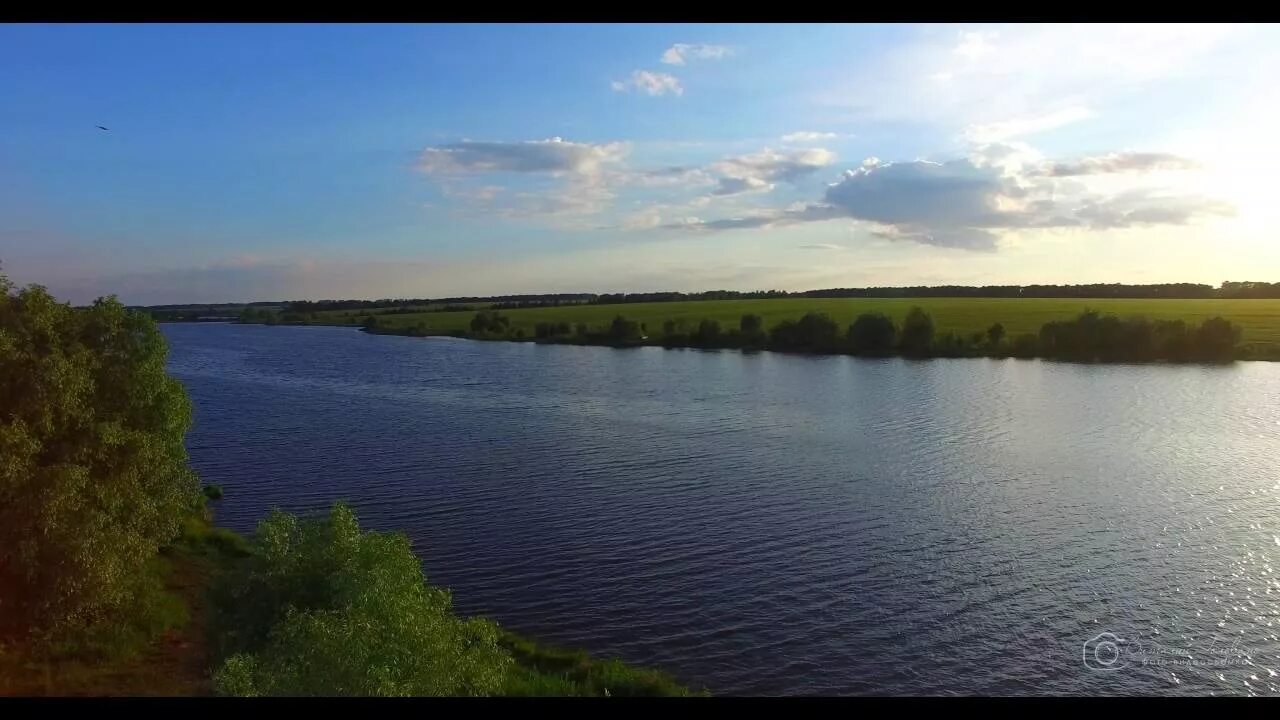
942 344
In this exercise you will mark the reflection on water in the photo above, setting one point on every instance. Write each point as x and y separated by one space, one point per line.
764 523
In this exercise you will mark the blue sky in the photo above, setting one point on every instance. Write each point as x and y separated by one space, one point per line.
273 162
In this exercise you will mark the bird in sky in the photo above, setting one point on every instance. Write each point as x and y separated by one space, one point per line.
102 128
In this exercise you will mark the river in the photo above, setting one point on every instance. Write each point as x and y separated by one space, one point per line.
762 523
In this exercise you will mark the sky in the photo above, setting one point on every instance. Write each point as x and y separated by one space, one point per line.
276 162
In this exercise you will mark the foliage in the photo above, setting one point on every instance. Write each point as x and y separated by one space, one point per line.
322 608
813 332
872 334
1259 320
916 337
707 333
492 323
93 472
622 330
1093 336
995 334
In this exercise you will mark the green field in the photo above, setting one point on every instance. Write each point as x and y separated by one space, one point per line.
1259 319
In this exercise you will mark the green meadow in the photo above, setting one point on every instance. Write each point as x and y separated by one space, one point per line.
1259 319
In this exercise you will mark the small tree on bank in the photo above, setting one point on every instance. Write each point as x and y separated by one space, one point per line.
917 332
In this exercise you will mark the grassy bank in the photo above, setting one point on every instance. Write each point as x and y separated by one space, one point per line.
182 657
1258 320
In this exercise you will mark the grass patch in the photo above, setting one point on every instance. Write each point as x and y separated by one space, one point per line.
542 670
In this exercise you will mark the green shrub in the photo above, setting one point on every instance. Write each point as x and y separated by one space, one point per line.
212 492
916 337
322 608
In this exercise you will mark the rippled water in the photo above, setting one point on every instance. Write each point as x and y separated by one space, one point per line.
774 524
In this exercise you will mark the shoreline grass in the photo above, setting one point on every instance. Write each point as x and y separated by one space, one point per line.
178 660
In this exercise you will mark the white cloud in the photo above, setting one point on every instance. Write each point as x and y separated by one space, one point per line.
1121 162
680 53
1030 125
968 202
759 171
804 136
583 174
820 246
1014 73
650 83
740 185
554 155
974 45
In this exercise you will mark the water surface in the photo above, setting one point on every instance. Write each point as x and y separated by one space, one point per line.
764 523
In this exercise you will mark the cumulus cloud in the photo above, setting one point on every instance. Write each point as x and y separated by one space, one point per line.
1142 207
805 136
1121 162
582 175
967 202
680 53
759 172
650 83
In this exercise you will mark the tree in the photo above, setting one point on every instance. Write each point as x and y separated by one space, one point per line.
814 332
872 334
995 334
751 324
708 333
93 472
1216 339
624 330
486 322
324 608
917 332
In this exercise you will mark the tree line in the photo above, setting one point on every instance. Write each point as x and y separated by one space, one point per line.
1091 336
1227 290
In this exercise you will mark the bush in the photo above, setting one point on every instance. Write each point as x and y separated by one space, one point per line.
490 323
322 608
93 472
872 334
814 332
917 333
1026 345
707 333
622 330
995 334
1093 336
1216 339
212 492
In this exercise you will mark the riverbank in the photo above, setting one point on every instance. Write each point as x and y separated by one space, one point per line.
181 660
1091 336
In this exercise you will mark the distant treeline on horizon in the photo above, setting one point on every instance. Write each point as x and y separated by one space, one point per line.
1228 290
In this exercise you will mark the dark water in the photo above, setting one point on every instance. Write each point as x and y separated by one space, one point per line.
772 524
